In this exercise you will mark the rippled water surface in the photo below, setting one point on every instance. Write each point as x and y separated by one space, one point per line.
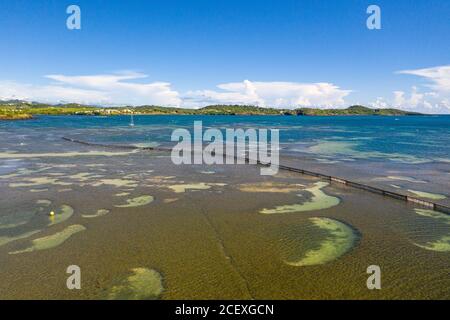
140 227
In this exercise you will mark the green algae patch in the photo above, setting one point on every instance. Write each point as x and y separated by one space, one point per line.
38 190
119 183
123 194
99 213
340 238
53 240
433 214
207 172
333 148
43 210
11 155
181 188
327 161
5 239
15 220
443 243
408 179
427 195
170 200
11 175
22 172
269 187
143 284
38 181
350 149
137 202
319 201
64 213
44 202
146 144
83 176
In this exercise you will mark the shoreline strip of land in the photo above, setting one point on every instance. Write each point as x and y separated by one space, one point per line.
19 110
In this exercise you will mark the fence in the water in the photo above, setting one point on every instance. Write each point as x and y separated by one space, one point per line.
386 193
357 185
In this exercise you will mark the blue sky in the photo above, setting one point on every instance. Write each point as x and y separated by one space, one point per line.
197 52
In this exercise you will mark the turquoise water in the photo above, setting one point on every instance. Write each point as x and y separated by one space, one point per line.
412 139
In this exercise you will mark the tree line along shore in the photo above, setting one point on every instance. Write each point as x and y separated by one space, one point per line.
25 110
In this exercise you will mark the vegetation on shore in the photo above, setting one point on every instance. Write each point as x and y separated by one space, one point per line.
18 110
354 110
13 114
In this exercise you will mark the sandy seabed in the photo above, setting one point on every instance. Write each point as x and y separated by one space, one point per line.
140 227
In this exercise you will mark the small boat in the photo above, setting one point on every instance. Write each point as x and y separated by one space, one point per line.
132 121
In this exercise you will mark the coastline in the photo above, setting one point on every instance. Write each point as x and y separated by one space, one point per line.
27 109
15 117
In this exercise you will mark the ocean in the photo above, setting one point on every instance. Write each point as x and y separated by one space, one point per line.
140 227
407 139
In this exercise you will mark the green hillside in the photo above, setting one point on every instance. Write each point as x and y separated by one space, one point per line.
10 110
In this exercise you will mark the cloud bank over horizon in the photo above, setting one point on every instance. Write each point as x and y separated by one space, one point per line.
271 94
105 89
434 97
131 88
122 89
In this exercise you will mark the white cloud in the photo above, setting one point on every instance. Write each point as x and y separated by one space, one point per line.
48 93
433 97
117 89
130 88
438 76
435 101
270 94
425 102
108 89
379 103
415 100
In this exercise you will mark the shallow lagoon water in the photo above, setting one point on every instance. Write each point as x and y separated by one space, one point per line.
53 240
442 244
270 187
16 219
64 213
181 188
339 239
7 239
143 284
99 213
428 195
319 200
137 202
211 242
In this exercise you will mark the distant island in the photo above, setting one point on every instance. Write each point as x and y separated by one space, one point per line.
21 110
